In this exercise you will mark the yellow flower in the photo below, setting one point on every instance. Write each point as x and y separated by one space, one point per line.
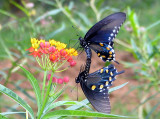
32 12
34 40
52 42
35 45
43 41
72 52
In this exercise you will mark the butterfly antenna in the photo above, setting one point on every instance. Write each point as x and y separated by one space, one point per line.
73 88
76 30
116 61
77 91
120 72
80 52
69 43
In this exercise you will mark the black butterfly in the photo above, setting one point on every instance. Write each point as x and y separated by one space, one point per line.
95 86
100 36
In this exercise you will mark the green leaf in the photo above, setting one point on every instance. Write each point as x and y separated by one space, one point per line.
71 5
152 110
136 51
8 113
75 107
49 13
55 32
117 87
17 99
2 117
61 103
134 22
84 18
80 113
47 2
7 14
20 7
35 86
153 25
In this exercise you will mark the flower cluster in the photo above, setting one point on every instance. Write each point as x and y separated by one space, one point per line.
63 80
54 52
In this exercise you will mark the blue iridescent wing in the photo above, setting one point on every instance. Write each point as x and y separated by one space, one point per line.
95 87
100 36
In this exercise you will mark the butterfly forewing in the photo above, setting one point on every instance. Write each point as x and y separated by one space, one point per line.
103 29
100 36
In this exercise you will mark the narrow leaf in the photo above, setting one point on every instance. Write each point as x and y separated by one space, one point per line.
7 14
55 32
49 13
61 103
2 116
20 7
152 110
8 113
80 113
35 86
75 107
84 18
117 87
17 99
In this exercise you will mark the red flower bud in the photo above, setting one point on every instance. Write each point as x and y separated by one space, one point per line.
60 81
48 76
54 80
66 79
70 59
73 63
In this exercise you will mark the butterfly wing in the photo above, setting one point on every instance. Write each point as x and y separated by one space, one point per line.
100 101
95 87
103 29
100 36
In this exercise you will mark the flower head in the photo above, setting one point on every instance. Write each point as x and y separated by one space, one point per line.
53 54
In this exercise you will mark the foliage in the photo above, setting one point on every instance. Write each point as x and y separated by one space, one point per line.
147 53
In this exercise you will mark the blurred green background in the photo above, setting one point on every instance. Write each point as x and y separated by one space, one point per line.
139 38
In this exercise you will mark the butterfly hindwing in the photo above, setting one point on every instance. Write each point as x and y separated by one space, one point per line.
95 87
104 51
100 101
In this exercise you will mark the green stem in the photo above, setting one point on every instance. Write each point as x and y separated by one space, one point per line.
61 64
123 44
26 114
44 83
63 69
92 4
46 97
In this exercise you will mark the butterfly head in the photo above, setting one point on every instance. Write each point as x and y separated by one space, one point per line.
83 43
81 76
